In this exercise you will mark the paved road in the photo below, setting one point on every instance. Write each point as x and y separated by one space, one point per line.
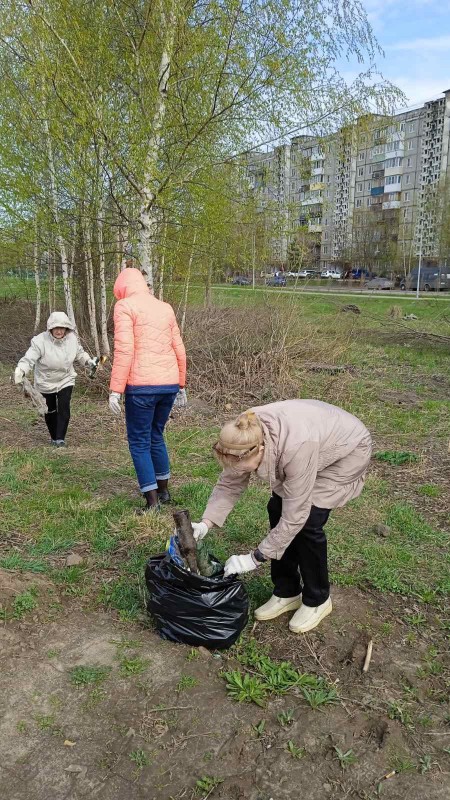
341 292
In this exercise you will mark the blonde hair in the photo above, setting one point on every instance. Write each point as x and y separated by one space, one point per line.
238 436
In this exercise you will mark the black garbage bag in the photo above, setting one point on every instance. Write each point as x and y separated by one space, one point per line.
194 610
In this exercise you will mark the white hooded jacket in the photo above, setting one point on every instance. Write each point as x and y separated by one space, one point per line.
52 358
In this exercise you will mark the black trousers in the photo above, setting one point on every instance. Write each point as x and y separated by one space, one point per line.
305 559
57 419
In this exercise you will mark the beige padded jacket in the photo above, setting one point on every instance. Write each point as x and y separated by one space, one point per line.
314 454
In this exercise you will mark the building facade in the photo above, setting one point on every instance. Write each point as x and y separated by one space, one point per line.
371 196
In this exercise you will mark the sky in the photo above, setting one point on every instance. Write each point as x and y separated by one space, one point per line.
415 37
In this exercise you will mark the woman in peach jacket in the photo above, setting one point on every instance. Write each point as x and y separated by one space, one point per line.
150 369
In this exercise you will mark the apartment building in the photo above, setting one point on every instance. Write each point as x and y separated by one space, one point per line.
371 195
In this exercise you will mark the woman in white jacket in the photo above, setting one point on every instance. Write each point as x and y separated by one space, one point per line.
52 355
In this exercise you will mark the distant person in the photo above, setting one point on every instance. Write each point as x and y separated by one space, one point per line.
52 355
314 456
150 368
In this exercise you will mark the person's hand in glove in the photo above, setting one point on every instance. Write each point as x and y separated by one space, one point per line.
114 404
236 565
93 364
200 530
181 399
18 376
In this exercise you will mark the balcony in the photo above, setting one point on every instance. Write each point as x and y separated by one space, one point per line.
392 187
317 171
391 204
314 187
314 228
378 174
376 190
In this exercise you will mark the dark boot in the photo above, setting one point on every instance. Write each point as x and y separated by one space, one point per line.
163 492
152 502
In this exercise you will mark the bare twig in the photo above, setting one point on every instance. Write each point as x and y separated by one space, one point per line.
368 656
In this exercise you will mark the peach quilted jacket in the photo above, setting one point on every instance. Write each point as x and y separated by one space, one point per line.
148 349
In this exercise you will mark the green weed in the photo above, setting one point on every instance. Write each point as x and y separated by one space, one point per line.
93 699
207 784
140 758
345 759
24 603
398 712
430 490
286 718
260 728
84 675
245 688
132 666
22 726
193 654
294 751
186 682
396 458
425 764
320 697
401 762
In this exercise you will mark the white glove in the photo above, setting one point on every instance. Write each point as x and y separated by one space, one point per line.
93 362
200 530
18 376
235 565
181 399
114 403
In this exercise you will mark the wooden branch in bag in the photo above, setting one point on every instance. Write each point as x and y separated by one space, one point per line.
186 539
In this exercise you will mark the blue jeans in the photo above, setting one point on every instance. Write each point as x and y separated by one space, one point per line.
146 416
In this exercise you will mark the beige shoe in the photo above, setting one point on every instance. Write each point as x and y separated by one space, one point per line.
307 617
276 606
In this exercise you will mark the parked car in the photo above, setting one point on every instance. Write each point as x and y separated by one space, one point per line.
276 280
304 273
357 274
379 283
241 280
432 279
330 273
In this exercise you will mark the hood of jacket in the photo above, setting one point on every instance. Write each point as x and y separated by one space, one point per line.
130 281
58 319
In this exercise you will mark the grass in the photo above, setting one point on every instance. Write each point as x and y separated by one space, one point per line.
132 666
186 682
24 603
140 758
76 487
83 675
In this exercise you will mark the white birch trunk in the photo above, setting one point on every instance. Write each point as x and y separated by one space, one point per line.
103 307
59 237
37 280
186 287
148 222
73 254
90 290
162 262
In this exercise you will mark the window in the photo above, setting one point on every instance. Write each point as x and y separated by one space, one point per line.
402 126
411 127
392 179
411 144
325 235
408 162
358 203
369 169
360 172
361 156
405 213
408 178
369 186
359 187
368 201
406 196
325 249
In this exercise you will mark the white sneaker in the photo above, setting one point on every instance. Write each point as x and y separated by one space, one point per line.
276 606
308 617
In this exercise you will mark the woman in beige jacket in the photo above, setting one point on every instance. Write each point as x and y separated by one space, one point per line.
314 456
